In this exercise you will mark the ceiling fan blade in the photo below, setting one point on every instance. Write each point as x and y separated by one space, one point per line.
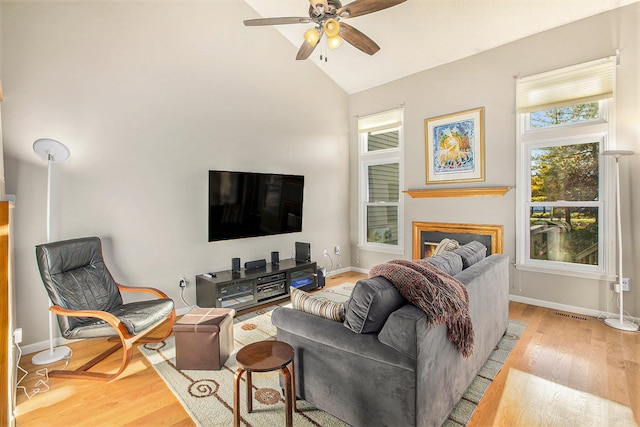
275 21
305 50
362 7
358 39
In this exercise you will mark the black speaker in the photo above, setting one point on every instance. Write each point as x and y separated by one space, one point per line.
303 252
255 265
275 257
235 265
320 274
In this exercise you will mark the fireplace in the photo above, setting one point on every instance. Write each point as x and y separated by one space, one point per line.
427 235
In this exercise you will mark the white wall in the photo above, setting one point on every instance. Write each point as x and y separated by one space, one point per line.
486 80
149 96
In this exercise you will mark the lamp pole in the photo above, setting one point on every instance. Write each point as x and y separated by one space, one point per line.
619 323
51 151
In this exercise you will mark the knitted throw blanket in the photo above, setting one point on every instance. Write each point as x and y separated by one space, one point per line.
442 297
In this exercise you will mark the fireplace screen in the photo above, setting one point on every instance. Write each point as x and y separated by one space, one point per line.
427 235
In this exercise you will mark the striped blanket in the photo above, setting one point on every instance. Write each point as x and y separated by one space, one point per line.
442 297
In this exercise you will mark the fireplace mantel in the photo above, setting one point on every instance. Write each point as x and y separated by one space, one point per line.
458 192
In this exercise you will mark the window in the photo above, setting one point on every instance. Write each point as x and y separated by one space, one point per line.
564 207
380 140
578 113
563 222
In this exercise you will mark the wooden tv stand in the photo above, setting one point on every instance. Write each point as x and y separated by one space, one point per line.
224 289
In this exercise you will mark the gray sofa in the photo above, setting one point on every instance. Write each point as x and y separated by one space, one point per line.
399 370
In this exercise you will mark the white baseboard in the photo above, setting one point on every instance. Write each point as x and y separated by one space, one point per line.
360 270
569 308
339 271
43 345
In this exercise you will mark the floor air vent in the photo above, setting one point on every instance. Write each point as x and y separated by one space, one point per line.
573 316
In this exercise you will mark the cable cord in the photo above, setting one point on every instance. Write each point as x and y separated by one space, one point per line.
330 263
184 300
42 385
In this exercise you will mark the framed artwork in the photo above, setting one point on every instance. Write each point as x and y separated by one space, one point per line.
455 147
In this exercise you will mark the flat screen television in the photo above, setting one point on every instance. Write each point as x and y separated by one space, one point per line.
250 204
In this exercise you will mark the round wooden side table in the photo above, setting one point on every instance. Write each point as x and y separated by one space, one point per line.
265 356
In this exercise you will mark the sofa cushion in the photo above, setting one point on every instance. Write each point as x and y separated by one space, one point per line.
471 253
448 262
371 302
318 306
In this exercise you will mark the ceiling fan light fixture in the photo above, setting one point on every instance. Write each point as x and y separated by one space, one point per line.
331 28
334 42
312 36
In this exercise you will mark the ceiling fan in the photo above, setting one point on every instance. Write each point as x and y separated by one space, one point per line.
327 16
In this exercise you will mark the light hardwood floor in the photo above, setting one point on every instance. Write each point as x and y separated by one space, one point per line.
566 370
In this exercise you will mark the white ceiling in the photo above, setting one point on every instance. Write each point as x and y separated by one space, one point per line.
421 34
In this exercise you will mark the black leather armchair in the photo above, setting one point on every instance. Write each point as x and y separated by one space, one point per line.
88 303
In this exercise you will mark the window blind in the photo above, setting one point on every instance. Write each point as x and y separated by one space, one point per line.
380 121
578 84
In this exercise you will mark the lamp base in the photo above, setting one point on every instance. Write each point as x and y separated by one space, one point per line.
48 356
621 324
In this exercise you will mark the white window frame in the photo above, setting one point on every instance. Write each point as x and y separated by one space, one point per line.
602 130
376 123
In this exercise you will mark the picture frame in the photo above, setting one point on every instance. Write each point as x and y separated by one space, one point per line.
454 147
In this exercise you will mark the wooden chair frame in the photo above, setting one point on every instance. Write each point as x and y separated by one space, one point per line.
125 339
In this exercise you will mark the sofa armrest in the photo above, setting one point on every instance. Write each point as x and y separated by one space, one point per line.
335 335
488 287
400 331
440 363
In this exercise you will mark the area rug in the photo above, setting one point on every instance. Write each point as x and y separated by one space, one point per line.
207 396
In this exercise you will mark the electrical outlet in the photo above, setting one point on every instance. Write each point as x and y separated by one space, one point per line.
183 282
17 335
626 284
337 250
326 253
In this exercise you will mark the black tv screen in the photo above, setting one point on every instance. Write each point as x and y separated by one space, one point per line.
249 204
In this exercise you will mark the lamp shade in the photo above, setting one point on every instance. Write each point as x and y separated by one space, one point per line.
332 28
50 149
312 36
617 153
334 42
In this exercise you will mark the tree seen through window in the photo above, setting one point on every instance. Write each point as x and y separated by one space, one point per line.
560 174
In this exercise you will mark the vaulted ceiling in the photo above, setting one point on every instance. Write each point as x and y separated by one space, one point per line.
421 34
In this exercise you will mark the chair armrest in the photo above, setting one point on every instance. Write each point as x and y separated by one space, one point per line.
102 315
153 291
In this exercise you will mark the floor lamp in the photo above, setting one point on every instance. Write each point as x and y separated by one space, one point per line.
619 323
51 151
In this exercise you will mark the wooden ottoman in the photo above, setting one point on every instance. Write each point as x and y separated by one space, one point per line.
204 338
